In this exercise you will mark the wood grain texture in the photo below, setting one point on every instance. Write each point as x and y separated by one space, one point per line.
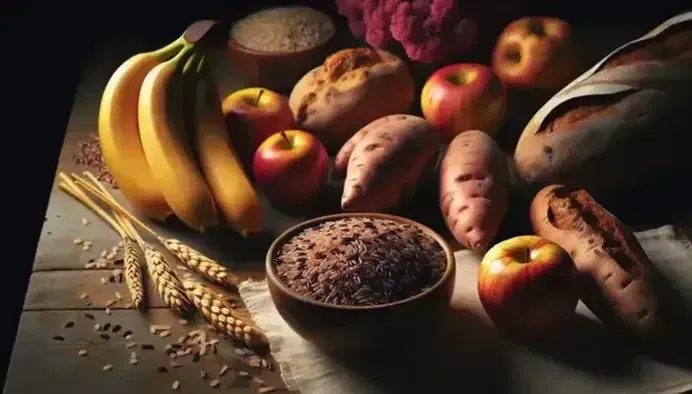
54 290
40 362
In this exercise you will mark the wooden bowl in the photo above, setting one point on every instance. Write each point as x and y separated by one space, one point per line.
277 71
361 328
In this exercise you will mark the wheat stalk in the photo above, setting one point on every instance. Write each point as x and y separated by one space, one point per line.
167 284
223 317
131 255
204 266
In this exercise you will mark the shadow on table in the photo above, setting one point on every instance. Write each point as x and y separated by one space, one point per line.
467 354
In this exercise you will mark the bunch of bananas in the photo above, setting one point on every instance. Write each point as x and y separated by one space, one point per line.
164 138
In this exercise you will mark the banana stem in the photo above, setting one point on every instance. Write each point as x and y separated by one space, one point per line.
109 200
69 187
169 50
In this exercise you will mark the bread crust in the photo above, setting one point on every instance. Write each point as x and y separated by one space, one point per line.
352 88
619 123
614 269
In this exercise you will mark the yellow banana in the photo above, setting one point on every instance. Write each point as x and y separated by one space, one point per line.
234 194
162 131
119 132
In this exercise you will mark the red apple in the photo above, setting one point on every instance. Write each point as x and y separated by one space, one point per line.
535 52
290 167
527 285
462 97
252 115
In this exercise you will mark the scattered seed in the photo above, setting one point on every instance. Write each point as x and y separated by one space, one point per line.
77 241
104 280
164 334
133 355
108 311
116 328
86 246
173 364
107 367
82 352
243 373
214 341
58 338
254 361
266 389
202 374
85 221
175 385
159 327
223 370
97 327
162 369
134 361
104 253
69 324
172 355
88 303
130 345
128 337
111 302
181 353
239 351
118 262
90 265
214 383
265 363
106 326
147 346
126 333
83 296
195 357
203 350
118 295
105 336
110 256
257 380
88 315
182 322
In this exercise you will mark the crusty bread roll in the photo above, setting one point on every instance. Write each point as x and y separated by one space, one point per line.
351 89
622 123
614 269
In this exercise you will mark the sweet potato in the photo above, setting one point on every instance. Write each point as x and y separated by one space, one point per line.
384 162
473 188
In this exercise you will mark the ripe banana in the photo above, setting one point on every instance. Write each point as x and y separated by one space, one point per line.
118 132
162 131
232 190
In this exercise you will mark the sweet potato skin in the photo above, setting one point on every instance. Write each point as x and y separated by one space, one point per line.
614 269
473 189
385 161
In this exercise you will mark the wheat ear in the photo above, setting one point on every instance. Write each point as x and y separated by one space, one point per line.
204 266
222 316
167 284
131 255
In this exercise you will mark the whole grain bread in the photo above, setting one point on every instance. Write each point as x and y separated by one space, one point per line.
622 123
614 269
352 88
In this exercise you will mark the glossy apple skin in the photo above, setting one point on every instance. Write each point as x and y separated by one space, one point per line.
527 285
251 121
536 53
464 96
291 176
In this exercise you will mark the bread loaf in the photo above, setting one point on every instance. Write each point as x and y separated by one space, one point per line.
623 122
614 269
351 89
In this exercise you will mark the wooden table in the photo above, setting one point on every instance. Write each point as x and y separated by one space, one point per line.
59 278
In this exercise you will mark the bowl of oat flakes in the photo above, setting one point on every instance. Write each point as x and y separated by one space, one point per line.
274 47
360 280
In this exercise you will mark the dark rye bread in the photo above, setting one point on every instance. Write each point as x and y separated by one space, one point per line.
612 140
614 269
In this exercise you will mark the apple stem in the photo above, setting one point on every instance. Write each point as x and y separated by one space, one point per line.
261 92
288 141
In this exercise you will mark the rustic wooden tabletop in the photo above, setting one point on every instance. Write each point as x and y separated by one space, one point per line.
58 320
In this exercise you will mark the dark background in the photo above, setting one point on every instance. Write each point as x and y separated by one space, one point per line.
43 48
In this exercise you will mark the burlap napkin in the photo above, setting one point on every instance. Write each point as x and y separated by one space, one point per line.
469 356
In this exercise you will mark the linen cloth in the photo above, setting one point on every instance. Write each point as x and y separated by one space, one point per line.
469 356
